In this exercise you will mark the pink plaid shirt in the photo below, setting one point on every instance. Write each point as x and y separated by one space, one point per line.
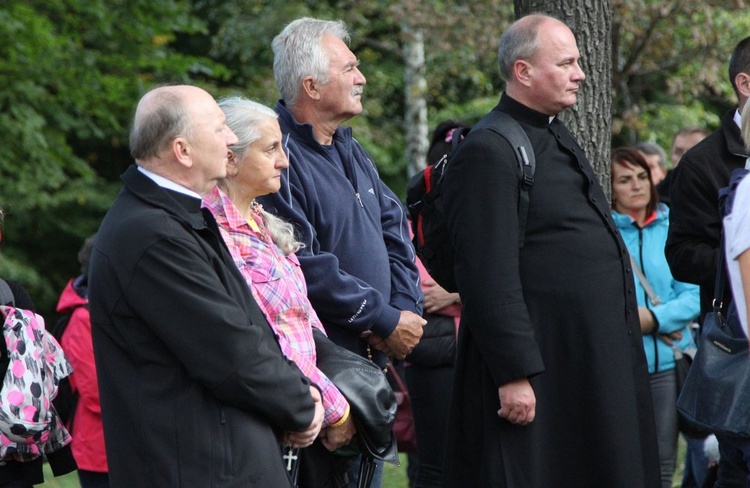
278 285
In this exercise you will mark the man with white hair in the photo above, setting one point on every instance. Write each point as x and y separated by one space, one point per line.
358 259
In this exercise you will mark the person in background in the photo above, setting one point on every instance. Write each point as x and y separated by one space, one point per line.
695 224
429 369
16 474
357 258
195 391
86 424
666 318
685 138
527 410
656 159
263 246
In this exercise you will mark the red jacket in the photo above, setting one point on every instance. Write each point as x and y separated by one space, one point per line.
88 435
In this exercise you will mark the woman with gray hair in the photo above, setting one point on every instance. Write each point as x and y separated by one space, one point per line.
263 246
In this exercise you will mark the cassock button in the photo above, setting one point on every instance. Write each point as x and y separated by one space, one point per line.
593 199
627 270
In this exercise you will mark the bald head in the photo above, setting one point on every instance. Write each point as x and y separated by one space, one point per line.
519 41
538 57
180 133
160 117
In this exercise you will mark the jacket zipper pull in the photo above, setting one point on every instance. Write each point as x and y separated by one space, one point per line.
359 199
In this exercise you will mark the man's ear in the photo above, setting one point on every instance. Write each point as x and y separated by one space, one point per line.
742 82
182 152
310 87
522 70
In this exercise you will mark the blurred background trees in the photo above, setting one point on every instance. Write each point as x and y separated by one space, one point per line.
71 72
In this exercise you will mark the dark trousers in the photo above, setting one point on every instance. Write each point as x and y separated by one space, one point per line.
734 465
696 471
92 479
430 392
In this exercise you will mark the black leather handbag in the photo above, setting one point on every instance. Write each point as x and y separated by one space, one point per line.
373 409
716 393
366 388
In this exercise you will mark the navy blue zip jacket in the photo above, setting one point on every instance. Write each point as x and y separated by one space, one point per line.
358 259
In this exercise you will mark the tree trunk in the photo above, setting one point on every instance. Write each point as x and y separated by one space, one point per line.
415 89
590 119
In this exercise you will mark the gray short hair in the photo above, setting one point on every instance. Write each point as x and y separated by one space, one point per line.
519 41
651 149
297 54
157 125
243 118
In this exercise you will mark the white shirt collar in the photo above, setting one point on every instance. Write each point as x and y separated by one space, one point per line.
737 118
168 184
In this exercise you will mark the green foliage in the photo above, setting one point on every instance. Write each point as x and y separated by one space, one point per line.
72 71
670 62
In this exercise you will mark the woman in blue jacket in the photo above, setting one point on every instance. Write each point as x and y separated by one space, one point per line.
665 318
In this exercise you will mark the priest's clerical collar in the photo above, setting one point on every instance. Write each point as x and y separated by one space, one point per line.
524 114
168 184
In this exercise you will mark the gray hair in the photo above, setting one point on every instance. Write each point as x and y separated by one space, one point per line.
651 149
243 118
519 41
157 123
282 233
297 54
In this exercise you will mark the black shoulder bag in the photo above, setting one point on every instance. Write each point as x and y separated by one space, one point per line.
716 393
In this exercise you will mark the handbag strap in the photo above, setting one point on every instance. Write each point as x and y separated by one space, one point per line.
644 282
719 283
397 378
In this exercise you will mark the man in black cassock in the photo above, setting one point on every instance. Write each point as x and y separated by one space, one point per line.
551 382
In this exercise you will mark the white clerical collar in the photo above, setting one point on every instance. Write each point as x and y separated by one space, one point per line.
738 118
168 184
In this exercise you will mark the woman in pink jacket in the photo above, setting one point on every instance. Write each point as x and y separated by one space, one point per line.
86 423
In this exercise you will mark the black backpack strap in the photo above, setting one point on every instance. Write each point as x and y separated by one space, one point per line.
506 126
6 295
